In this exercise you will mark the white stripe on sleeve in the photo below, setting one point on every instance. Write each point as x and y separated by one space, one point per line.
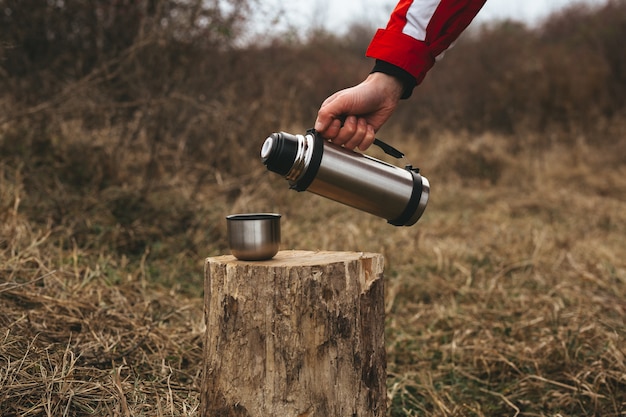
418 16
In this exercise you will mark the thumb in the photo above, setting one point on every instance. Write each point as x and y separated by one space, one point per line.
322 122
332 109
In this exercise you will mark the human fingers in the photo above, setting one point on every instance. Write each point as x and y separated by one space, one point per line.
332 130
347 128
323 122
328 114
351 133
359 134
369 138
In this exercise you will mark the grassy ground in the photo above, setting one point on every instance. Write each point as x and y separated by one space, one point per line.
507 298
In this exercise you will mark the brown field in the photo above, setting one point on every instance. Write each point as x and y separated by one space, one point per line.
507 298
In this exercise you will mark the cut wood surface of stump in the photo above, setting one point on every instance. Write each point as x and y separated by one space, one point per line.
301 335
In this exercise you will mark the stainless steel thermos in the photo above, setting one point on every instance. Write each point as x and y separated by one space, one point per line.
311 163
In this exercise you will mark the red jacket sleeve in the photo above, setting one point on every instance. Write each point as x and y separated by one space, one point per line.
421 30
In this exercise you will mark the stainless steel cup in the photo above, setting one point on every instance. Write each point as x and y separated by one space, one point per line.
253 236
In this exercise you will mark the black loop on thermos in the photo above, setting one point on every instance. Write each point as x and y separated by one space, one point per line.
388 149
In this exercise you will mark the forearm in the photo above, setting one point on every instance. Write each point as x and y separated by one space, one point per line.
419 32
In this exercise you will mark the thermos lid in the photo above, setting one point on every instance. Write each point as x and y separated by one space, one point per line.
279 153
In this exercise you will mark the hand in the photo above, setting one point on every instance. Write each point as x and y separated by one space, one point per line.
351 117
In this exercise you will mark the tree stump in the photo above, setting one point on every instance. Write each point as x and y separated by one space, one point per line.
301 335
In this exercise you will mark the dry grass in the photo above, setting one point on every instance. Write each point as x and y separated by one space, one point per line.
513 301
118 164
77 339
507 298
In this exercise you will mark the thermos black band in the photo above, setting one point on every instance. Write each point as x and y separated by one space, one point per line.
413 204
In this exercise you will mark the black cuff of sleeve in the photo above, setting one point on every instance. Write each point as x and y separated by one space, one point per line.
407 80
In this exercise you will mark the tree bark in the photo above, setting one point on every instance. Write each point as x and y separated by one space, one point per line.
301 335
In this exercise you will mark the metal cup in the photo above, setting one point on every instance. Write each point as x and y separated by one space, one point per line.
253 236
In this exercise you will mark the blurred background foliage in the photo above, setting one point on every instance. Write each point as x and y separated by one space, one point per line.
107 107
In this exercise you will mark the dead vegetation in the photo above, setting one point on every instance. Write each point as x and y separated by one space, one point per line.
77 339
507 298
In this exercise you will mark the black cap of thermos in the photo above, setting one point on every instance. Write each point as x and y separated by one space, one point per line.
279 152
